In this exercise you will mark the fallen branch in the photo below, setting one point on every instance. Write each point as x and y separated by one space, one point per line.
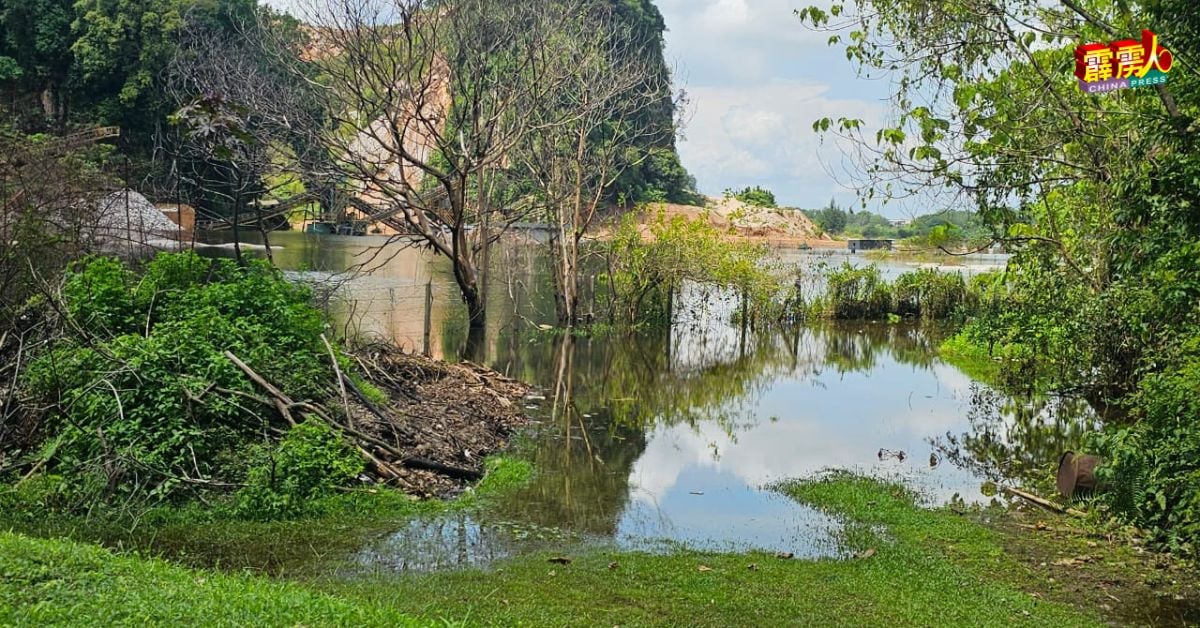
437 467
285 404
1044 503
411 462
1045 528
282 402
374 409
337 371
383 469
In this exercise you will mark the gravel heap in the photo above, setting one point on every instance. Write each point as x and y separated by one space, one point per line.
128 217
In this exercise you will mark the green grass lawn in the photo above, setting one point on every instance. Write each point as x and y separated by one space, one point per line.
912 567
61 583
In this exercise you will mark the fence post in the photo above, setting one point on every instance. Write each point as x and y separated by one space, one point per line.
428 317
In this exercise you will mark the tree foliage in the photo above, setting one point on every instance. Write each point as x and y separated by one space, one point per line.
66 64
646 270
1096 194
755 196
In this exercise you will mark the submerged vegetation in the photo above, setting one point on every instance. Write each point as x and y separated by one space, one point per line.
646 269
900 561
861 293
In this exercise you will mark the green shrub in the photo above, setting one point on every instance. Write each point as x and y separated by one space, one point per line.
645 272
856 294
370 391
139 388
1152 465
756 196
308 464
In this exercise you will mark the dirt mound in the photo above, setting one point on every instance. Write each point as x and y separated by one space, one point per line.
126 218
763 221
747 222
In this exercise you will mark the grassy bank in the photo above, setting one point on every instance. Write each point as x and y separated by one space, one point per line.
972 359
60 583
212 535
908 567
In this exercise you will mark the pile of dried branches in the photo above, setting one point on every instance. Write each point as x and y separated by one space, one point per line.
439 423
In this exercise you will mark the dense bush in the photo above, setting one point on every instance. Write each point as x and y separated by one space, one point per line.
756 196
857 293
645 270
1131 352
138 391
928 293
311 462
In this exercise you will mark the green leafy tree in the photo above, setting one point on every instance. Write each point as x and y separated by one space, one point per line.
1094 193
35 52
655 173
756 196
831 219
120 49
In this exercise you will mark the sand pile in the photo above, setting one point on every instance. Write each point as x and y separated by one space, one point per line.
126 217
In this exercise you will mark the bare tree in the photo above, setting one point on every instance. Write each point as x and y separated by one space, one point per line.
591 122
51 198
432 101
247 123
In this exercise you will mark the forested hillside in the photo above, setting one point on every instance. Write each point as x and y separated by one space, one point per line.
68 64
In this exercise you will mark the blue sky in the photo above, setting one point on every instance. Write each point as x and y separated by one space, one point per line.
757 79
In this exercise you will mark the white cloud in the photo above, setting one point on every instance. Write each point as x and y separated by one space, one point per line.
757 79
762 135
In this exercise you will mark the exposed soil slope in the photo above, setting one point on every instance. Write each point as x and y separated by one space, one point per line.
780 226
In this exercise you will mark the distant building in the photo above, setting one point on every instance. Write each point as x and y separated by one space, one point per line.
869 245
900 222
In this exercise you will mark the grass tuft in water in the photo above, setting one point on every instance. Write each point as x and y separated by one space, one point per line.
211 536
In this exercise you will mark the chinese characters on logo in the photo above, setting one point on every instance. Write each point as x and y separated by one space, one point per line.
1122 64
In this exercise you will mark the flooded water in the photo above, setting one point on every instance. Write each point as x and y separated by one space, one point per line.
672 439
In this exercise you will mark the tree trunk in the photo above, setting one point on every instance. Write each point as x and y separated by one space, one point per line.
566 284
466 273
237 219
476 348
476 310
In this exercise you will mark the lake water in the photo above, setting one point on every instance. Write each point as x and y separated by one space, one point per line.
673 438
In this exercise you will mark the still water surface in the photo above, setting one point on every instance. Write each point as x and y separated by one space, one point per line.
661 440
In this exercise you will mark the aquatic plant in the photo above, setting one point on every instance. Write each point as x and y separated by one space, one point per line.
646 269
861 293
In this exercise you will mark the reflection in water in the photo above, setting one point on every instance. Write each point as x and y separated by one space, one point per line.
452 541
671 435
1017 437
